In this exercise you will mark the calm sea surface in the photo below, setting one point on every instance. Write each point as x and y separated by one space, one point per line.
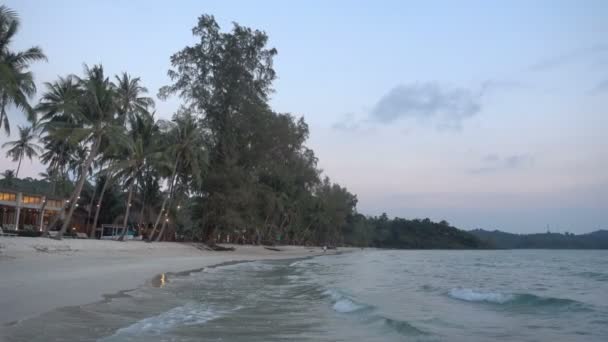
525 295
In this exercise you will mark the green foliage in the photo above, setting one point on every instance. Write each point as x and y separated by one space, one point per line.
401 233
234 169
35 186
23 147
16 82
498 239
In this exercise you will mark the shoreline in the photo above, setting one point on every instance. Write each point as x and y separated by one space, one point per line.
41 274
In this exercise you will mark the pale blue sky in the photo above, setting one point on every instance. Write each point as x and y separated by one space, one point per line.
484 113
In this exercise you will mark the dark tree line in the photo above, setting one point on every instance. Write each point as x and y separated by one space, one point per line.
227 167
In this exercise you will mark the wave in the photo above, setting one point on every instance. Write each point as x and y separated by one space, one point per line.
188 314
470 295
594 275
402 327
344 303
519 299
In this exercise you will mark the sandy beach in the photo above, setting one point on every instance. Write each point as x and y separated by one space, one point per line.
41 274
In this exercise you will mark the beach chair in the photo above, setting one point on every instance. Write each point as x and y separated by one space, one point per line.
2 233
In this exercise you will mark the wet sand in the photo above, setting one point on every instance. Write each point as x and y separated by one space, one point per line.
40 274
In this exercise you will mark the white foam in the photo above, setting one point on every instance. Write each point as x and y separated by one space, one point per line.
189 314
346 305
343 303
470 295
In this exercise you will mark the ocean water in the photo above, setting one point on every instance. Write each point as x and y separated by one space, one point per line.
371 295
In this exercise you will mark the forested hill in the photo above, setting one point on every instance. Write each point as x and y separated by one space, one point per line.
401 233
498 239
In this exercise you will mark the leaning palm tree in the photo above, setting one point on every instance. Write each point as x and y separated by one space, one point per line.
23 147
92 120
16 82
184 142
141 151
130 103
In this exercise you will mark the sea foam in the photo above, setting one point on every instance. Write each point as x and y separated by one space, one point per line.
188 314
519 300
343 303
470 295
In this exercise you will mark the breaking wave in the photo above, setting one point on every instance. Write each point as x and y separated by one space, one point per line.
188 314
519 299
344 303
470 295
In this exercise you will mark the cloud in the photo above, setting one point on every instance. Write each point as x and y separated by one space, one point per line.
347 123
490 86
600 87
490 158
494 163
572 56
447 106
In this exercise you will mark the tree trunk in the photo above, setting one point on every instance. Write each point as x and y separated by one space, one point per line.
164 224
141 211
56 218
126 219
165 200
160 213
162 230
81 180
41 221
88 228
18 167
98 208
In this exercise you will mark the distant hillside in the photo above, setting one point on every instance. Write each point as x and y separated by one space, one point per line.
498 239
402 233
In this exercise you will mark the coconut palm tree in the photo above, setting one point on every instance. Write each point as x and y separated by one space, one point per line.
23 147
89 117
130 97
130 103
184 141
16 82
9 178
141 151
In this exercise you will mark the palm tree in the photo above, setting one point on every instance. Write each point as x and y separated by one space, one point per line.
141 151
9 178
16 82
91 119
23 147
130 103
184 139
129 97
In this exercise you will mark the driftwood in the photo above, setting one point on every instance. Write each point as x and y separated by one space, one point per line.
213 248
273 249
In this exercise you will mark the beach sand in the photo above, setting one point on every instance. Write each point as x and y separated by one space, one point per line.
40 274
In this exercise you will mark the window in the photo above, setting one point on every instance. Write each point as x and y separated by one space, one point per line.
31 199
7 196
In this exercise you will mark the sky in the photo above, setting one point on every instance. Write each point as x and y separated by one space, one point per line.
488 114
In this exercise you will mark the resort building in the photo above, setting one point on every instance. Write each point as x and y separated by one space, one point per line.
20 210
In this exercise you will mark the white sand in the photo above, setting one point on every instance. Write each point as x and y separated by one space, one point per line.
41 274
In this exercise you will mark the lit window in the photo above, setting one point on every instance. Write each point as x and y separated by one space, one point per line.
31 199
7 196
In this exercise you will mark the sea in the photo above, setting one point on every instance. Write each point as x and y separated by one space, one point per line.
367 295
